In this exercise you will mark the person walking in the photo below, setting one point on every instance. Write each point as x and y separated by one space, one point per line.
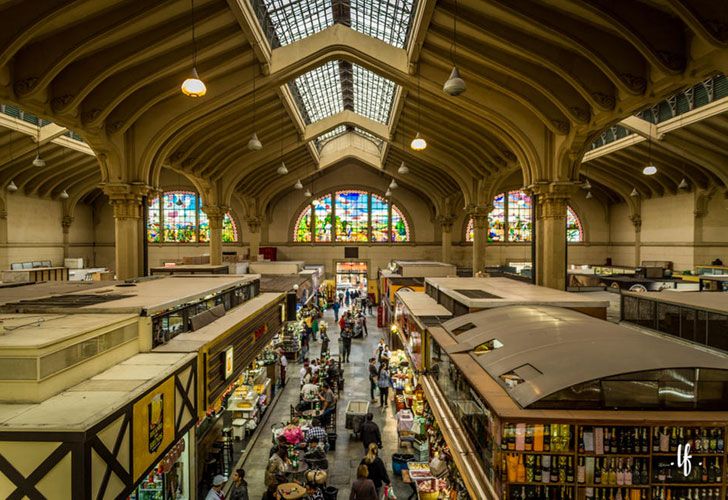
284 364
347 296
363 488
239 491
377 470
384 382
364 323
369 432
336 307
346 336
215 492
373 372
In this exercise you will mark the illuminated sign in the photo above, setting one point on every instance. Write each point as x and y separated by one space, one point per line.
228 362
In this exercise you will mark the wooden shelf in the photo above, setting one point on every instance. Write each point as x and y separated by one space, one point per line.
613 486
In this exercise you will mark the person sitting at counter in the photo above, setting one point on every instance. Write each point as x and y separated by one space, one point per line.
293 432
307 376
309 392
318 433
315 456
303 369
315 367
275 472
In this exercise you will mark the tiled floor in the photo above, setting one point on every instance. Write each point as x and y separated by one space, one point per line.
349 451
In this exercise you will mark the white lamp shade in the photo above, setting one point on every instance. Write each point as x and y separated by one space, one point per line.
649 170
38 161
282 170
403 169
12 187
683 184
388 193
63 195
307 193
298 184
454 85
254 143
634 193
393 184
589 196
587 185
193 86
418 143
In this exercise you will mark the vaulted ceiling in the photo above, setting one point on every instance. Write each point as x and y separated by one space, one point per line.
544 80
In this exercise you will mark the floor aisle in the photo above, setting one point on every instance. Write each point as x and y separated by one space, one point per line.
349 451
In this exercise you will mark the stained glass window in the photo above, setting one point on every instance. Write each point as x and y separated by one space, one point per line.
515 218
380 219
360 217
323 215
153 219
183 221
574 231
352 215
303 226
400 229
519 216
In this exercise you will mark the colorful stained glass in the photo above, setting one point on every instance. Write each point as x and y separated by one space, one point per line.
497 220
153 218
323 214
303 226
204 228
519 216
180 216
229 229
470 231
352 215
574 231
400 228
380 219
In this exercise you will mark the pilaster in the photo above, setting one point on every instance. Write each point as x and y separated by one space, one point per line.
254 224
552 202
479 215
215 216
66 223
637 223
126 200
446 222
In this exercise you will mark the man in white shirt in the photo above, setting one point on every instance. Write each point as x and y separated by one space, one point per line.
215 492
310 392
284 364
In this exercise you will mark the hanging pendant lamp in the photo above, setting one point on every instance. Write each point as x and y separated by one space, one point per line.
403 169
63 195
418 143
649 170
282 170
254 143
587 185
393 184
388 193
454 85
193 86
589 196
307 193
298 184
38 161
12 187
634 193
683 184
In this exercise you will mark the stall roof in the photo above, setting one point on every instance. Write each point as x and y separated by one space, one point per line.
151 296
83 405
407 263
484 293
28 291
281 282
194 341
709 301
422 305
536 341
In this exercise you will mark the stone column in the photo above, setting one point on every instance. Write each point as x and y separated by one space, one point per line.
4 259
215 216
446 222
254 228
126 200
551 216
479 215
66 224
637 223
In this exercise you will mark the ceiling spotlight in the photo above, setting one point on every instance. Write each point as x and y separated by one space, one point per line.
418 143
587 185
307 193
254 143
193 86
388 193
12 187
454 85
649 170
282 170
634 193
683 184
63 195
393 184
589 196
38 161
403 169
298 184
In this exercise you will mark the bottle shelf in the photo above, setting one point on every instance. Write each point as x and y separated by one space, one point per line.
614 486
570 485
615 455
555 453
673 454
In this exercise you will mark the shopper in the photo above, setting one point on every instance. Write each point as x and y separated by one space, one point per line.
341 299
336 307
377 470
369 432
239 491
346 336
317 432
324 340
284 365
373 372
364 322
363 488
215 492
276 467
380 350
384 382
347 296
328 399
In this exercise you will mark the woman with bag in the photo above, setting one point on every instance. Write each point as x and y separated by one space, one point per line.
377 470
363 488
384 381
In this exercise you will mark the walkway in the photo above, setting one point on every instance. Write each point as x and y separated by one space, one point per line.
349 451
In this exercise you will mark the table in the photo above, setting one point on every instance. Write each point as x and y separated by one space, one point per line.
297 474
291 491
407 479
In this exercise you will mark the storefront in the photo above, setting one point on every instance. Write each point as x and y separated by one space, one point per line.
414 312
352 274
170 478
541 431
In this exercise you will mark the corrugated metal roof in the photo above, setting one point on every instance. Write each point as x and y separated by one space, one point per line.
567 348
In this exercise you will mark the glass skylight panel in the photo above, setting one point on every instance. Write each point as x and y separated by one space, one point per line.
296 19
331 134
373 94
387 20
320 91
376 140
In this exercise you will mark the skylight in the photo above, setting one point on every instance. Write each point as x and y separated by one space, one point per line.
376 140
331 134
286 21
339 85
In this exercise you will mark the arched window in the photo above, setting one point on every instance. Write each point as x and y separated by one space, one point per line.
511 220
351 216
177 217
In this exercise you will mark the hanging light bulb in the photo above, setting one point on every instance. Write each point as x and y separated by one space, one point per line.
388 193
298 184
63 195
403 169
38 161
12 187
282 170
454 85
589 196
393 184
649 170
254 143
683 184
193 86
587 185
307 193
634 193
418 143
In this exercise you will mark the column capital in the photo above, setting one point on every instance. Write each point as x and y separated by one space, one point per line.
3 213
550 190
446 222
66 223
254 223
218 211
126 198
636 222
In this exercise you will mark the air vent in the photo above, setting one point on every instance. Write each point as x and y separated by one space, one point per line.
477 294
488 346
462 329
519 375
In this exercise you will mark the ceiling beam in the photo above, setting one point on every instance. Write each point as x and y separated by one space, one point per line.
246 18
349 118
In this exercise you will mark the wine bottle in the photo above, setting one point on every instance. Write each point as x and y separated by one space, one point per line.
713 441
562 469
554 469
628 473
665 440
581 471
546 437
607 441
721 442
612 474
581 440
613 445
537 470
620 473
645 445
528 442
705 442
597 472
570 471
655 440
504 437
546 466
718 476
673 440
644 475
